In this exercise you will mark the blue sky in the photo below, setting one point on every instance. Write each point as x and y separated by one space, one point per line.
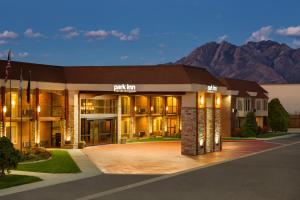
129 32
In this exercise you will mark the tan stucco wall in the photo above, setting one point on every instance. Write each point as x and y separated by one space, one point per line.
288 94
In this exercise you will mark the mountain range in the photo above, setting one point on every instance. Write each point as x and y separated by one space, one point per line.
263 62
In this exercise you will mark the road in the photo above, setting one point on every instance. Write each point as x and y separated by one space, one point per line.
273 174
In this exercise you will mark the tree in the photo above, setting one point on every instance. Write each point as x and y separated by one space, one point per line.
9 156
249 128
278 117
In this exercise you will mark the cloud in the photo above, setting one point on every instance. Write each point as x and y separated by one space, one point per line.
69 32
67 29
96 34
133 35
124 57
29 33
262 34
8 35
293 31
23 54
222 38
2 42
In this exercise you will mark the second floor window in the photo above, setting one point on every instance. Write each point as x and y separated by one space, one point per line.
239 104
258 104
247 104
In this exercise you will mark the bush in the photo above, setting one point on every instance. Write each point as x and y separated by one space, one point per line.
249 128
278 117
9 156
35 154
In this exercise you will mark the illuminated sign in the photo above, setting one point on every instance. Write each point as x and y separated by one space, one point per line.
124 88
212 88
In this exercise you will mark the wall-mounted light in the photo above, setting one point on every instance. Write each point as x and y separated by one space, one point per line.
202 100
201 142
167 108
38 108
217 140
218 101
135 108
151 108
4 109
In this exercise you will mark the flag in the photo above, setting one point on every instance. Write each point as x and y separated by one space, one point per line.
28 87
8 66
21 85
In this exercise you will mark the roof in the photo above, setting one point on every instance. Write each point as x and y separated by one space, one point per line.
147 74
244 86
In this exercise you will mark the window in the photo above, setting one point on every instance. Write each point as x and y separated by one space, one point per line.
171 105
265 104
98 106
247 104
258 104
239 104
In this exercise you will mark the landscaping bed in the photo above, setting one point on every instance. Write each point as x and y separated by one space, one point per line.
14 180
61 162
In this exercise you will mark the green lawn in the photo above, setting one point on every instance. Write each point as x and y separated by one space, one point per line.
14 180
239 138
271 134
158 139
61 162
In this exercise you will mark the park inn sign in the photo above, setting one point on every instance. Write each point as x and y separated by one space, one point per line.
124 88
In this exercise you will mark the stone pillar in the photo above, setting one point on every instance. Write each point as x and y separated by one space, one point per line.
189 124
201 123
71 118
119 120
132 116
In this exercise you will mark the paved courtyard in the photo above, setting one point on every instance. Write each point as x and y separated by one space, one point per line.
164 157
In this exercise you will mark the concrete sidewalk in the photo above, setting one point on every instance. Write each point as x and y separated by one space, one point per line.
88 169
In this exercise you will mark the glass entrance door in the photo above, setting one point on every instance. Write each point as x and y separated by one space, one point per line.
99 131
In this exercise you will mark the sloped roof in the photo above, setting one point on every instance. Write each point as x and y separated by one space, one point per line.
148 74
244 86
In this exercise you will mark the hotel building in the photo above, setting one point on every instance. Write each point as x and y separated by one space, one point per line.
106 105
246 96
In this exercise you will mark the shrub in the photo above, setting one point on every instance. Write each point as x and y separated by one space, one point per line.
278 117
249 128
9 156
36 153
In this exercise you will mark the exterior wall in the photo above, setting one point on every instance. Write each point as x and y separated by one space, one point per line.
227 116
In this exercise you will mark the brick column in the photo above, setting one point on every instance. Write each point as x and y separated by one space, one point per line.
119 119
189 124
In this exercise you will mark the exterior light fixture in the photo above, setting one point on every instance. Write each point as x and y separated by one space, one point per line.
167 108
201 142
135 108
217 140
202 100
151 108
38 108
4 109
218 101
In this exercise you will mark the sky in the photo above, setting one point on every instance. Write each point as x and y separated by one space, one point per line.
137 32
